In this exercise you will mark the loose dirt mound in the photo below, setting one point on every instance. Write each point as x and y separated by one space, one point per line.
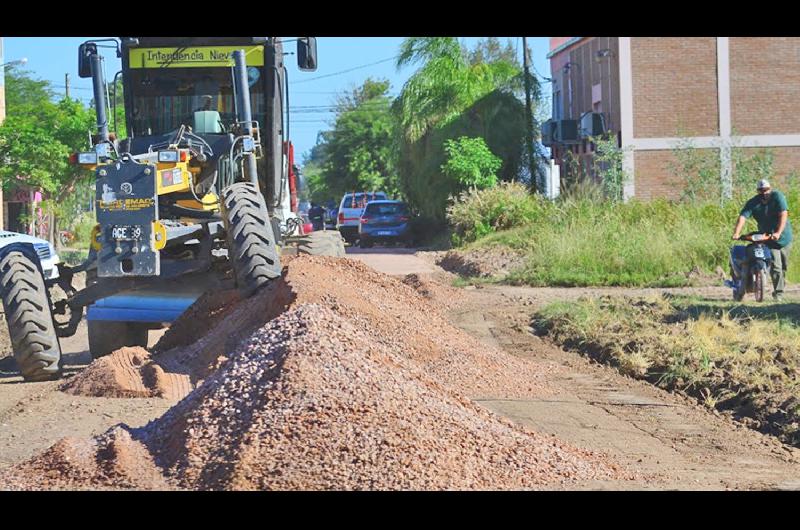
110 461
311 401
407 319
201 316
481 263
130 372
444 295
205 340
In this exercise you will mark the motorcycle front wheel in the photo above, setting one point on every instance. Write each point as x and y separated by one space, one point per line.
759 280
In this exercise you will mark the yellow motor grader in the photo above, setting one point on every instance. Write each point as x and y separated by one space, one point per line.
195 197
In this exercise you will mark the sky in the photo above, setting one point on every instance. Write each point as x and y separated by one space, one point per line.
344 63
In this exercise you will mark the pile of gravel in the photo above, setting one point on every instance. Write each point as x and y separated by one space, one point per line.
312 401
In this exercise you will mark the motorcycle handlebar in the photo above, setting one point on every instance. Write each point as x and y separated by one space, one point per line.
756 238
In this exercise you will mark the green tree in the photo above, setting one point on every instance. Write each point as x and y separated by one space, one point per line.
312 170
490 50
471 163
36 140
357 154
446 83
456 92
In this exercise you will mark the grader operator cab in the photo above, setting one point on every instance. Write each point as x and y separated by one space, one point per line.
196 197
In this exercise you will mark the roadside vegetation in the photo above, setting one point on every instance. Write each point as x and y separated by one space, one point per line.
457 123
39 133
744 359
590 237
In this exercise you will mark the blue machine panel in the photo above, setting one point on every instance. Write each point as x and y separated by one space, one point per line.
142 307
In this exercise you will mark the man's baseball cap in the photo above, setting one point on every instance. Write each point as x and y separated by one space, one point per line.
763 184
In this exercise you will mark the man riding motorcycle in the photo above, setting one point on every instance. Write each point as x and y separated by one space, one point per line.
771 212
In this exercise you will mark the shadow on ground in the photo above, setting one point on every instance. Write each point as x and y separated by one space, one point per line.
73 363
788 312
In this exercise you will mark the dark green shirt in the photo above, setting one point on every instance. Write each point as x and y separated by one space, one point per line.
768 215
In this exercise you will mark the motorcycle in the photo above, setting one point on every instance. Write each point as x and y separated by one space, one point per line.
756 258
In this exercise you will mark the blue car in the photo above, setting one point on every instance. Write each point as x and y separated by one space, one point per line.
385 221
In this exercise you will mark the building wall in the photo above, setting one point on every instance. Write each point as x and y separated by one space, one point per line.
587 71
658 174
674 86
785 162
765 85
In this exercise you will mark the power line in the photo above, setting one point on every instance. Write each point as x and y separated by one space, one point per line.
344 71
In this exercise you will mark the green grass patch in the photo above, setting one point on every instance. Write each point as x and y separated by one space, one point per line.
73 257
740 358
586 242
464 281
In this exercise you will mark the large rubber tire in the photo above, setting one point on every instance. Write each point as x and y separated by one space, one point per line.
758 284
251 244
30 320
107 336
322 244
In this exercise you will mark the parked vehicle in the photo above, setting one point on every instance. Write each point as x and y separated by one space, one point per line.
757 259
350 210
385 222
331 213
46 252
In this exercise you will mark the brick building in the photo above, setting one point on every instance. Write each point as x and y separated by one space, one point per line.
655 93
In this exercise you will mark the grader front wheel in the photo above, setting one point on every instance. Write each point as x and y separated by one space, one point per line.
251 242
29 317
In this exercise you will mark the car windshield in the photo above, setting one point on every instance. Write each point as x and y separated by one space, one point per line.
388 208
359 200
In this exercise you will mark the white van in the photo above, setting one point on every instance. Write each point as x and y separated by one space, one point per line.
350 210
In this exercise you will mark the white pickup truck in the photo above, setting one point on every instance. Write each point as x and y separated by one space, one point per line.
350 210
47 254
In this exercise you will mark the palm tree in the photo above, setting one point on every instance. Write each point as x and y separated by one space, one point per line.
445 85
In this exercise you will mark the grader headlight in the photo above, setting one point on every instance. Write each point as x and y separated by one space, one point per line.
87 159
168 156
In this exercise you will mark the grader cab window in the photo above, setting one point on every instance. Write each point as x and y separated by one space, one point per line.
165 99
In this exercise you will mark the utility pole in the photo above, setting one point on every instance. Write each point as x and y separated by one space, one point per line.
528 115
66 84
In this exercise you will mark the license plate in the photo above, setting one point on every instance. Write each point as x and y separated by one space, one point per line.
759 252
384 233
126 233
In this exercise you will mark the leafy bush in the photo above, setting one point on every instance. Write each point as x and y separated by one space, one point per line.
477 213
471 163
577 241
82 228
587 238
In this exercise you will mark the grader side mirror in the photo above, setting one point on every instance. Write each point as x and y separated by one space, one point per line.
85 52
307 53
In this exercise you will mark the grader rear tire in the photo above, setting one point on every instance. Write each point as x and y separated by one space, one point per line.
322 243
30 320
251 243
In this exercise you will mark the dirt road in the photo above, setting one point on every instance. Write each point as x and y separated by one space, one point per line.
35 415
674 442
669 442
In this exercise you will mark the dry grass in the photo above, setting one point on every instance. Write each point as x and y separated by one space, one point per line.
742 359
